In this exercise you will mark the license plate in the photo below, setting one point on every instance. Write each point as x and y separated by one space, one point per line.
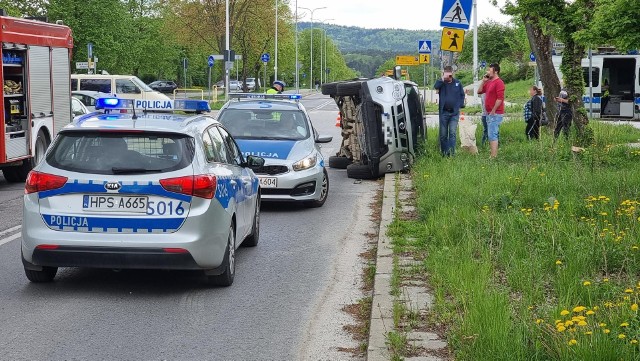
105 203
268 182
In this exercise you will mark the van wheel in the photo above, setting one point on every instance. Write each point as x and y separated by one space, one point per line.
329 88
349 88
339 162
360 171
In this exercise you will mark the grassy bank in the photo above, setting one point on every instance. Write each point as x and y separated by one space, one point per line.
535 255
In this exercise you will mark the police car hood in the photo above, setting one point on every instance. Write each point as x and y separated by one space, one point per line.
276 149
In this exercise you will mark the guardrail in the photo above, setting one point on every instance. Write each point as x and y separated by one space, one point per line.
185 90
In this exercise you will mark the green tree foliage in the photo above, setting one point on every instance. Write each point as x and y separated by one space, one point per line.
615 22
495 43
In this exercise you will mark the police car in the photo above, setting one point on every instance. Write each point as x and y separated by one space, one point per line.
127 188
278 128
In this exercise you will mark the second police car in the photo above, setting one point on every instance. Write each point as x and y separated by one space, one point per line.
141 190
277 128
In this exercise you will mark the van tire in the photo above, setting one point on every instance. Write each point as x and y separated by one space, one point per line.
349 88
329 88
339 162
360 171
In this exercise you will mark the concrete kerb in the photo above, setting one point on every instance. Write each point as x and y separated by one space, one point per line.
382 303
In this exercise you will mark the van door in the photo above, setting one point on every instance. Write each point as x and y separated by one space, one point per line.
127 89
636 95
617 71
593 104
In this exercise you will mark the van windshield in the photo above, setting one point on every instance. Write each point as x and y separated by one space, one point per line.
141 84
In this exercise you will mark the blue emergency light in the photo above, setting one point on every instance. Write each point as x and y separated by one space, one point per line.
239 96
184 105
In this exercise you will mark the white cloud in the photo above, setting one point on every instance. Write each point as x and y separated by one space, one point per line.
401 14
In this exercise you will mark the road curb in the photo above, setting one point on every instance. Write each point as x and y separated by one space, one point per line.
381 321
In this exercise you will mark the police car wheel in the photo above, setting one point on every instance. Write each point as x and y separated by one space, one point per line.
225 279
360 171
339 162
253 238
47 274
324 191
329 88
349 88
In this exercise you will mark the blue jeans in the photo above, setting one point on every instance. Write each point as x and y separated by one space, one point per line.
448 130
485 129
493 122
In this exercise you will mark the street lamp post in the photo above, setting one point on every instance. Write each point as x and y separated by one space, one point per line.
323 50
311 64
226 70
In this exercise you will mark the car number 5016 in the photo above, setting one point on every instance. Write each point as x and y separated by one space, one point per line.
268 182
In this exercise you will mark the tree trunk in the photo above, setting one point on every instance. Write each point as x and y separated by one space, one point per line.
541 45
573 77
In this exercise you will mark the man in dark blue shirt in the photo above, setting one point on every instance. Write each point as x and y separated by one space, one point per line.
451 95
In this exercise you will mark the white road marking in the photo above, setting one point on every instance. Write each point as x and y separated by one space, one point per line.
12 237
322 105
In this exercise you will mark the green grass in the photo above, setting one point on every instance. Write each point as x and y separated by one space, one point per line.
518 91
512 243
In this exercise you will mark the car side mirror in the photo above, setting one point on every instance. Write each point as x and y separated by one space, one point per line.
254 161
324 139
397 72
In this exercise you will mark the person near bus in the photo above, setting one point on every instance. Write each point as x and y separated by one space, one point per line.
564 115
276 88
533 113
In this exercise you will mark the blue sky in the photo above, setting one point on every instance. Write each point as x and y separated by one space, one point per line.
400 14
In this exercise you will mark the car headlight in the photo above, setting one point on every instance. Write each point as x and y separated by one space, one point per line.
306 163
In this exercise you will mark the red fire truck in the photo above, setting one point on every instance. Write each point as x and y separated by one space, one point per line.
36 98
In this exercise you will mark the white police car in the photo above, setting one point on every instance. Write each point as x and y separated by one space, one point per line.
141 190
277 128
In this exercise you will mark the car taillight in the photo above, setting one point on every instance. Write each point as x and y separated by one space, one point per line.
48 247
203 185
40 182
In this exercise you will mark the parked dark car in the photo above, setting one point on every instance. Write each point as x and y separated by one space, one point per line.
163 86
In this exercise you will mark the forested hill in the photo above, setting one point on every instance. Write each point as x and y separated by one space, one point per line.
366 49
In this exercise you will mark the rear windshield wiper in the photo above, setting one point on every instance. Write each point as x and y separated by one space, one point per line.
120 170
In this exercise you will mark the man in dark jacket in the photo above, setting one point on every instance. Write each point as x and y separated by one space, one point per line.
451 94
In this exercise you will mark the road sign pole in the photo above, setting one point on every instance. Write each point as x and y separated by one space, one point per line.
475 51
265 76
209 82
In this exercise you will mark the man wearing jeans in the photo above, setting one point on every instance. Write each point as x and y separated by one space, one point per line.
493 88
451 100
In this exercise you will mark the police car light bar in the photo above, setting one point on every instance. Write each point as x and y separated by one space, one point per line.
184 105
265 96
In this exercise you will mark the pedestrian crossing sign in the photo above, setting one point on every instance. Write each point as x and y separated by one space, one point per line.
452 40
456 13
424 46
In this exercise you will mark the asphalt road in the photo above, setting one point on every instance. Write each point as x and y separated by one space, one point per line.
285 303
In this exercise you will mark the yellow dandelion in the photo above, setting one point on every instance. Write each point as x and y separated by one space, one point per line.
604 213
558 262
605 280
607 331
572 342
582 323
579 309
634 248
595 308
539 321
588 333
557 322
564 313
634 341
634 307
568 323
624 324
586 283
628 290
621 336
561 328
590 312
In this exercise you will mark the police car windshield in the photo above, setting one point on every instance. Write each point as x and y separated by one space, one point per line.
121 152
141 84
265 124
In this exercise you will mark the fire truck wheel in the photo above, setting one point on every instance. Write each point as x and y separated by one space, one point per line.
28 164
11 174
